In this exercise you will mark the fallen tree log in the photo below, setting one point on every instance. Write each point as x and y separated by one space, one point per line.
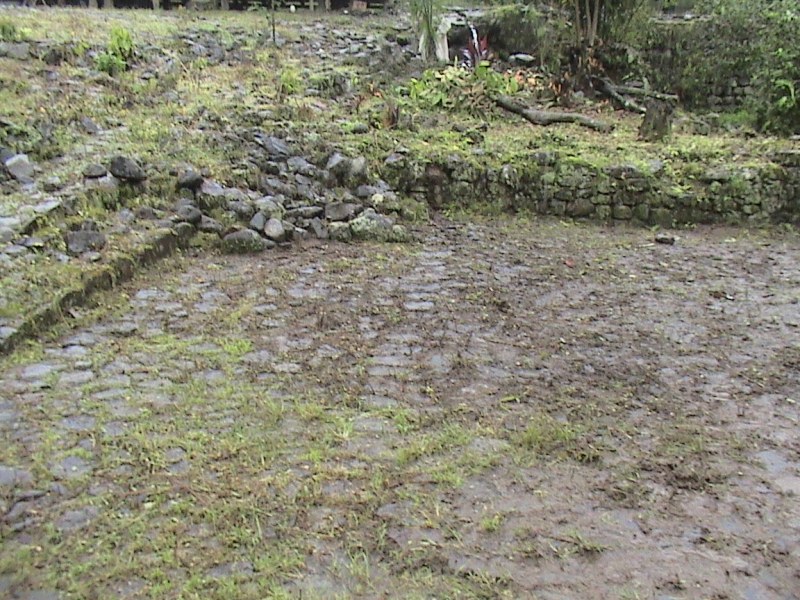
546 117
634 91
604 86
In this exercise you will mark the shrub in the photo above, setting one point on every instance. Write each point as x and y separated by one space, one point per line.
459 89
757 41
115 58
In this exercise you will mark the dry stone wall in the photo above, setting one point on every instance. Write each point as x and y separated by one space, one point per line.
549 184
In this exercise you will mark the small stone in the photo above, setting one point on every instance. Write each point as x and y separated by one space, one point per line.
358 168
304 212
126 168
209 225
15 50
11 477
189 214
371 226
258 221
664 238
275 231
20 168
89 126
47 206
244 242
341 211
15 250
79 242
298 164
145 213
190 180
318 228
522 59
269 206
243 210
52 183
184 230
338 165
73 520
360 128
339 232
395 158
274 146
210 195
6 234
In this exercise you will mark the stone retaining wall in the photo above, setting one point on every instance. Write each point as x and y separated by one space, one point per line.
561 186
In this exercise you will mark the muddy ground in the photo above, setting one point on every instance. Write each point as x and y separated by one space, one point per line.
507 409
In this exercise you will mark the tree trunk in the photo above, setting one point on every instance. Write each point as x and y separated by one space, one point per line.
108 3
224 5
156 4
657 123
92 3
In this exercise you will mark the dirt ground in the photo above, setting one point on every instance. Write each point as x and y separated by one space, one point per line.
508 409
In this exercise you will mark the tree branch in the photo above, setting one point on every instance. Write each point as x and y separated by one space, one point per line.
545 117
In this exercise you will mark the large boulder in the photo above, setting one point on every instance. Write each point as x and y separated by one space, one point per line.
245 241
127 169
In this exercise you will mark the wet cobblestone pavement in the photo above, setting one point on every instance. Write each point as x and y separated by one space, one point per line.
522 410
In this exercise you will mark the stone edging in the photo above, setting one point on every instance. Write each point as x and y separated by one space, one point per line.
122 268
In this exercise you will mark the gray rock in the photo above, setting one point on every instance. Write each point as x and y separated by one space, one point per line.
47 206
243 210
581 207
94 171
268 206
245 241
6 234
11 477
10 222
89 126
665 238
108 184
20 168
360 128
318 228
184 230
190 180
341 211
72 520
15 250
15 50
52 183
79 242
298 164
275 231
338 165
375 227
358 169
209 225
365 191
274 146
126 168
339 232
258 221
146 213
70 467
522 59
189 214
395 158
210 195
304 212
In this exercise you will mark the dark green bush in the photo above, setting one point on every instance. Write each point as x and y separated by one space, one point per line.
755 41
